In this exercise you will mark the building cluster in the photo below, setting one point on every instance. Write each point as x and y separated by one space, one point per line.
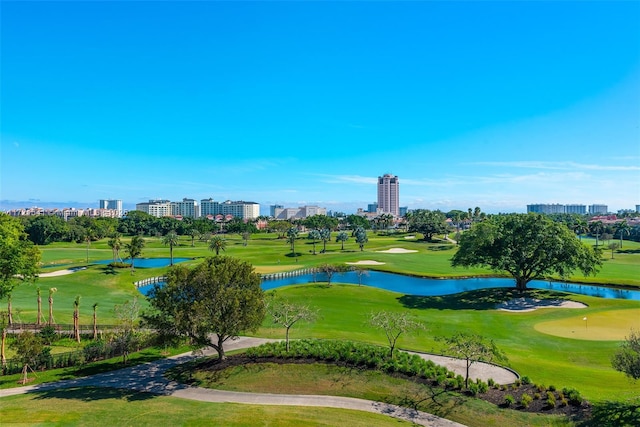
207 208
280 212
388 190
106 209
568 209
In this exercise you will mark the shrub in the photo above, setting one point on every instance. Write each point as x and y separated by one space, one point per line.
573 395
48 334
518 383
537 396
551 402
482 387
473 389
525 380
525 400
552 388
509 400
541 388
491 382
563 402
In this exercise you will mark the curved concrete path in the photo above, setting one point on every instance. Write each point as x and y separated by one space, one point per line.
150 378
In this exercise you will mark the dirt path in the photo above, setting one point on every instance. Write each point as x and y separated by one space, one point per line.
150 378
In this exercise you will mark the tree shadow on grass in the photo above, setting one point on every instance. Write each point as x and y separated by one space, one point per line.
481 299
610 414
88 394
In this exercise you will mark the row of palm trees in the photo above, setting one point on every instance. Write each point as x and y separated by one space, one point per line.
597 228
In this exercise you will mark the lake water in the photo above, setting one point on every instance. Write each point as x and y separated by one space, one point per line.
418 286
147 262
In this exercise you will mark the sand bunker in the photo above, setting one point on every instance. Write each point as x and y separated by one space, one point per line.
397 251
530 304
365 262
61 272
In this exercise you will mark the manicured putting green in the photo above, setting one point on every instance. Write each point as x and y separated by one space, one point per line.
612 325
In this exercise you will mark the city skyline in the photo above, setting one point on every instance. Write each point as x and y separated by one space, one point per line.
490 104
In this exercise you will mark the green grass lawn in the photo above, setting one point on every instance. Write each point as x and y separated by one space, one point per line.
101 406
545 358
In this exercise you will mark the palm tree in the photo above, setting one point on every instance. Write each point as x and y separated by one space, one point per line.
361 237
195 234
292 233
171 239
325 235
342 237
314 236
51 291
623 228
596 228
134 248
76 318
217 244
115 244
95 320
580 227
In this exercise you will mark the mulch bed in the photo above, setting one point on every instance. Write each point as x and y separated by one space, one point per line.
494 395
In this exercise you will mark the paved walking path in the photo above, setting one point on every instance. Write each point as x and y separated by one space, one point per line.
149 378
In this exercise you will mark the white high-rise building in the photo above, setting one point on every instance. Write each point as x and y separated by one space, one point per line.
186 208
239 209
389 194
111 204
157 208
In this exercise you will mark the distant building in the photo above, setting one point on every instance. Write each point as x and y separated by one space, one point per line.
389 194
157 208
638 208
403 210
546 208
272 210
113 205
575 209
598 209
298 213
372 207
187 208
238 209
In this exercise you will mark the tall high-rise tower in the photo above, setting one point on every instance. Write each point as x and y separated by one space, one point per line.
389 194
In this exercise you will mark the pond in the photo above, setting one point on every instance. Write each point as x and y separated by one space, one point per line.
418 286
147 262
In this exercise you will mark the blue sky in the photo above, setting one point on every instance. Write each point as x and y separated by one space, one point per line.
489 104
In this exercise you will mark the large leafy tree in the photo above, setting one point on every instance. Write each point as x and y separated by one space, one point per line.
428 223
210 303
354 221
19 258
527 246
